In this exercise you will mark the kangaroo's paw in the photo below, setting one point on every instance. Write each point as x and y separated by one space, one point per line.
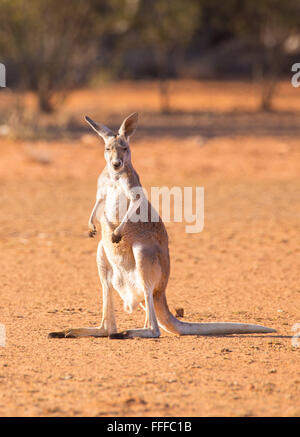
92 230
115 237
132 333
79 332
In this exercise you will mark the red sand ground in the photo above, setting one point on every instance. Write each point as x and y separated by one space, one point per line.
243 267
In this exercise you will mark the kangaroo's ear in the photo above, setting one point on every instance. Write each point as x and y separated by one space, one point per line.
129 125
101 130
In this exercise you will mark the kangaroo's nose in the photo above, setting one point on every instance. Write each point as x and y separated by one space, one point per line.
117 163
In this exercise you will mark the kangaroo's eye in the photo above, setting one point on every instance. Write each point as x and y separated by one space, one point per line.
107 150
125 149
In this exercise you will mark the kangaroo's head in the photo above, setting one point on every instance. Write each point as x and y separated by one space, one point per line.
117 150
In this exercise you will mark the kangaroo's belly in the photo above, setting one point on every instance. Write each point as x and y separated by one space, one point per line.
125 283
125 279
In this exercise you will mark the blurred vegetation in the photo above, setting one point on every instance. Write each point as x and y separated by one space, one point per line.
52 46
165 28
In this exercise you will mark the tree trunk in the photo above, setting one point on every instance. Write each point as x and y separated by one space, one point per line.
45 100
164 96
267 93
267 80
162 59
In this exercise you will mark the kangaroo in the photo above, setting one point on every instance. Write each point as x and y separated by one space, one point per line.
133 256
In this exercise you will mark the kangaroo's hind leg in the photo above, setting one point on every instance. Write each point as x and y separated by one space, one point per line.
108 325
147 269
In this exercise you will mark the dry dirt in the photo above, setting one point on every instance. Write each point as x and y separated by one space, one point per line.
243 267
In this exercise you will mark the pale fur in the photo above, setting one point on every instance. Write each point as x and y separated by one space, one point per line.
133 258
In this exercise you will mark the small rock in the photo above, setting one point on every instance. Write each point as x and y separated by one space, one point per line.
66 377
129 401
224 350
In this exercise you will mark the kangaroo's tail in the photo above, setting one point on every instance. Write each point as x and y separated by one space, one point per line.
169 323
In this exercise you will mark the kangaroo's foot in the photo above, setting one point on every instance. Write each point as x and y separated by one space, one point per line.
132 333
79 332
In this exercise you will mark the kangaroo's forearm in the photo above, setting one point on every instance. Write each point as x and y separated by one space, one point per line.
94 211
133 206
92 226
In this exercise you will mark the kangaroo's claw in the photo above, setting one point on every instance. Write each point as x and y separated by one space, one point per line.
115 238
68 333
60 334
93 230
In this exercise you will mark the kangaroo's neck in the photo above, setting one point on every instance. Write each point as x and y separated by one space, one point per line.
128 172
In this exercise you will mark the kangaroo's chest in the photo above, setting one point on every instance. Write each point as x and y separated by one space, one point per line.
116 203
